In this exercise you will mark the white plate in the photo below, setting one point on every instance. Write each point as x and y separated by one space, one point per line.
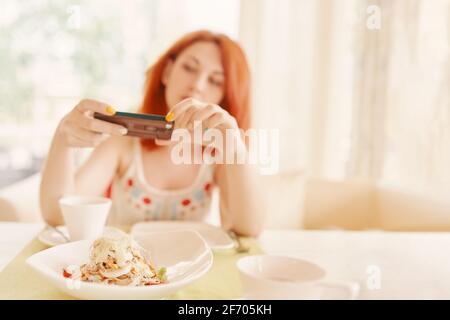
52 238
184 253
215 237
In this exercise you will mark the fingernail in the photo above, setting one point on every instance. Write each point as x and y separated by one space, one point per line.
110 110
170 116
123 131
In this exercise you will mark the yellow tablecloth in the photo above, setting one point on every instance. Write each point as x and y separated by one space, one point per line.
19 281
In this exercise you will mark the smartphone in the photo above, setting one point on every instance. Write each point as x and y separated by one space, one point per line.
150 126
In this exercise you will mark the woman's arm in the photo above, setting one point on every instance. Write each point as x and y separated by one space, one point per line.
57 179
239 190
240 198
61 177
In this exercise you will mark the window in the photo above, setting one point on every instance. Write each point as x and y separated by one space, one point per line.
54 53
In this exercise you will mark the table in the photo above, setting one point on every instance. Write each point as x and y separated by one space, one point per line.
13 238
388 265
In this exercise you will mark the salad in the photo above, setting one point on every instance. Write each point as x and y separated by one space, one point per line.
119 261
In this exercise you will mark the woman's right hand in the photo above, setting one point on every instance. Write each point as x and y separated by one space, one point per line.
79 128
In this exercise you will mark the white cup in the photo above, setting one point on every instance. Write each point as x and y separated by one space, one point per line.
279 277
84 216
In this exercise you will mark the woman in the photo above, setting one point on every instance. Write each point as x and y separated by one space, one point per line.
202 79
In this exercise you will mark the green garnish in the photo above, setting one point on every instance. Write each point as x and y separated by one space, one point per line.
162 274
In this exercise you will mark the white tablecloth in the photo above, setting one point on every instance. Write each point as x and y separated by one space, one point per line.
13 237
387 265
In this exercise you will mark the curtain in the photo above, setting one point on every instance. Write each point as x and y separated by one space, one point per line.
353 101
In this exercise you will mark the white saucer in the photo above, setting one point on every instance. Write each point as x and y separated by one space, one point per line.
215 237
52 238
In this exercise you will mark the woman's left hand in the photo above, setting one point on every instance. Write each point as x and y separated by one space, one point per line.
190 112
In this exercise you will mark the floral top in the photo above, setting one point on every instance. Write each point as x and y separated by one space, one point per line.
135 200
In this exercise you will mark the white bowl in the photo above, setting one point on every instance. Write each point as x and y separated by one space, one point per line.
281 277
184 253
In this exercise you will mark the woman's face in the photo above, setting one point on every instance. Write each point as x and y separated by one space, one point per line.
196 73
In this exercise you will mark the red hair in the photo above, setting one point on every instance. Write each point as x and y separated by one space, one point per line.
237 79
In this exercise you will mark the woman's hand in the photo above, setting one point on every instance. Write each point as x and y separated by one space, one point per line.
79 128
190 112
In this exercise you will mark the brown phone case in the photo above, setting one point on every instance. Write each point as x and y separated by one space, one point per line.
148 126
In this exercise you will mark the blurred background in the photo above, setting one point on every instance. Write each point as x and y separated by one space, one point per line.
359 89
